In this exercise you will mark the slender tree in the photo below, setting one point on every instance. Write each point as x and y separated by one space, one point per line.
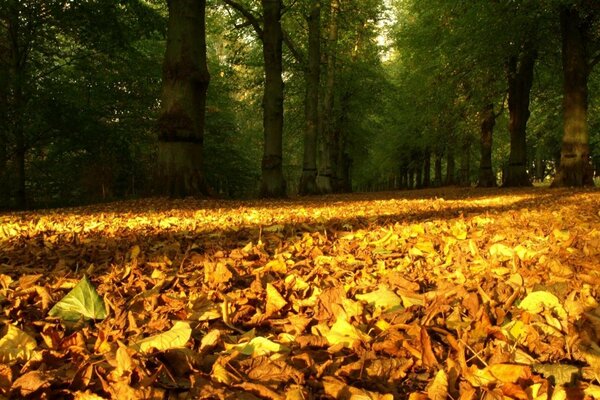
308 184
520 81
185 83
272 184
327 129
486 172
271 35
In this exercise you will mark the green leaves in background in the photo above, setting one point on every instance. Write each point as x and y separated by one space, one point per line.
81 302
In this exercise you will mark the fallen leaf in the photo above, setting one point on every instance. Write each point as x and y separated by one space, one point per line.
175 337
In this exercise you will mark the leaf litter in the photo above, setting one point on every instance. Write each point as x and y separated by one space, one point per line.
455 293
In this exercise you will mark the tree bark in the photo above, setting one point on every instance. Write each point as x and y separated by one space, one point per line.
185 83
327 150
18 54
520 80
427 169
437 174
465 162
450 161
575 167
486 172
308 183
272 184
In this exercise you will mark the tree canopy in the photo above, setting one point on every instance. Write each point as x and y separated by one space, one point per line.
373 95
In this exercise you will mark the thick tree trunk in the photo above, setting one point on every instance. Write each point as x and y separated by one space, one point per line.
185 83
520 80
437 174
486 172
327 149
427 169
272 184
575 168
342 161
465 163
450 161
308 180
18 61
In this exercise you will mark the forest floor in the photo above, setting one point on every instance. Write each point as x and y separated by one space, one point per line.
450 293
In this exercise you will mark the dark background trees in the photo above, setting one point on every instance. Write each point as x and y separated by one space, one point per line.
310 96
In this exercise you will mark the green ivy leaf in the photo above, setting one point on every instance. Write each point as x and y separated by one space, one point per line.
81 302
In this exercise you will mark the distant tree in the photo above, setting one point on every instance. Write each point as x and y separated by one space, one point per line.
269 31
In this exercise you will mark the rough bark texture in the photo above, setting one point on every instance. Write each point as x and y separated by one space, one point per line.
327 151
520 80
575 167
486 172
308 180
272 183
185 83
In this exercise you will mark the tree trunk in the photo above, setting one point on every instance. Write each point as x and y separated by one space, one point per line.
465 162
18 61
272 184
427 169
327 153
486 172
308 184
520 80
450 162
437 174
575 168
185 83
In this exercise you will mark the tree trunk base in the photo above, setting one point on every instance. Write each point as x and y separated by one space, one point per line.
578 173
308 183
486 178
180 168
272 185
516 176
324 185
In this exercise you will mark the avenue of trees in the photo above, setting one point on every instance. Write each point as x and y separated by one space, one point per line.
114 99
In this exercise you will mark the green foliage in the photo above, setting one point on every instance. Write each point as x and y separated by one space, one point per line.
81 302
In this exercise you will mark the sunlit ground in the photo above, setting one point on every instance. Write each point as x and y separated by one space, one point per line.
373 294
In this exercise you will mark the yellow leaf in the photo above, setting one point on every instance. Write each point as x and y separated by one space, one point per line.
536 302
296 282
563 236
275 300
16 345
175 337
501 251
344 333
383 298
210 339
509 373
221 375
135 252
258 346
278 266
524 253
459 230
438 388
124 362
